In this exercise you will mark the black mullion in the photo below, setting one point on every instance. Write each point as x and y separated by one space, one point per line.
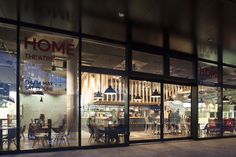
18 77
162 113
79 72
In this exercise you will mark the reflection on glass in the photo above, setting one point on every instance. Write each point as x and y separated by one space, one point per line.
48 87
229 75
177 111
104 18
147 63
103 55
208 111
181 68
207 51
8 9
52 13
102 109
144 111
229 112
7 88
207 73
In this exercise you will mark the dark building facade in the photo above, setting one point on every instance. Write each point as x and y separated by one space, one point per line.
81 74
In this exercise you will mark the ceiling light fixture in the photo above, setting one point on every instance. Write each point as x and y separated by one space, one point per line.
138 98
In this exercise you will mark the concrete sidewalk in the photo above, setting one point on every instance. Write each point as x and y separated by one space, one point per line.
188 148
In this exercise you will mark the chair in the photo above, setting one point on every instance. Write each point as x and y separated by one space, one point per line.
39 136
22 131
10 137
61 136
92 133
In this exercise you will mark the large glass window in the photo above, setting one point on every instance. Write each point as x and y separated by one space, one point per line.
209 118
103 55
181 68
229 111
229 75
146 21
52 13
177 17
8 70
48 90
144 111
104 18
207 73
207 25
177 111
8 9
147 63
103 109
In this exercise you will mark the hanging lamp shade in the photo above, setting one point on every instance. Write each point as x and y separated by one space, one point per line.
170 99
41 99
110 91
137 98
98 95
155 94
38 93
225 99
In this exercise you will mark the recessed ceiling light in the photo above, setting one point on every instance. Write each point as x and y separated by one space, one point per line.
121 14
209 39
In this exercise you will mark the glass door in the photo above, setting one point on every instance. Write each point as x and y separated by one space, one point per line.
144 110
177 111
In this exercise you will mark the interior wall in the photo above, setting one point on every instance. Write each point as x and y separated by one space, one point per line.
53 107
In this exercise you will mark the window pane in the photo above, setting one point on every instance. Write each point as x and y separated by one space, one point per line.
207 73
103 55
229 57
147 63
207 51
229 111
102 109
181 43
52 13
229 35
8 64
208 111
48 90
146 21
145 110
207 25
181 68
177 111
229 76
104 18
8 9
178 18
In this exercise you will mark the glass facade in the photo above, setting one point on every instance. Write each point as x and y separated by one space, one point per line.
102 109
145 110
94 73
8 94
177 111
48 90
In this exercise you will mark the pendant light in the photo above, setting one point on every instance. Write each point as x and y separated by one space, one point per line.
201 103
170 99
35 93
110 91
138 98
225 99
41 99
98 94
155 94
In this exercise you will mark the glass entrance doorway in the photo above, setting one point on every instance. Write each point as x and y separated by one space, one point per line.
177 111
154 115
145 110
